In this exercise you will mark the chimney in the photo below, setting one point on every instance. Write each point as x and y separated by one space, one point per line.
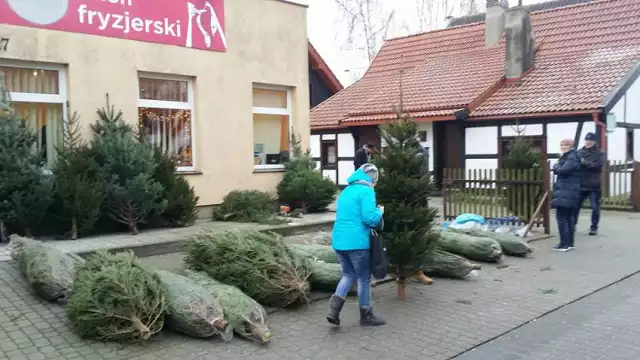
515 22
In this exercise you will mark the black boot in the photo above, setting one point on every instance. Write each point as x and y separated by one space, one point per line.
335 307
368 318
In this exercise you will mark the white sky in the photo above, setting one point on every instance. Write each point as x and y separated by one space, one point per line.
327 32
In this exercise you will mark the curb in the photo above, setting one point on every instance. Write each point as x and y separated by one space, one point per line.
174 246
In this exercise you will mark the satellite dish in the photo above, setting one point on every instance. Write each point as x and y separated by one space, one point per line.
41 12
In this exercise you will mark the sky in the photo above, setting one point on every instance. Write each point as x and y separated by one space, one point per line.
327 31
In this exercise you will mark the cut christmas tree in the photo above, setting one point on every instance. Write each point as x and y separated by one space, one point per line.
403 189
261 265
26 192
128 166
246 316
115 298
79 185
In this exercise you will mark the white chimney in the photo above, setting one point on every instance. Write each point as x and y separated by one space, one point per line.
495 19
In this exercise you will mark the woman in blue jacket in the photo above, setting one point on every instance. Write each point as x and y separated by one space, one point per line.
566 194
356 215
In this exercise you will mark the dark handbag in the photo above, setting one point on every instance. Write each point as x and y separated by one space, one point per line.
379 260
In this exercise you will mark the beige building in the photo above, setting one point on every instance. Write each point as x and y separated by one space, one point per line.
222 84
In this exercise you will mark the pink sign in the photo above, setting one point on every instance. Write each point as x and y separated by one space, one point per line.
195 24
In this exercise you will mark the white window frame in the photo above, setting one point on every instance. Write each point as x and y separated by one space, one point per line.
257 110
174 105
61 98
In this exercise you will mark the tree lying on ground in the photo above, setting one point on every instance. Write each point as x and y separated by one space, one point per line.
302 186
128 166
115 298
248 206
26 191
261 265
403 189
79 184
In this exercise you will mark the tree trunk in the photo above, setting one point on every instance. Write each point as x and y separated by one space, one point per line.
143 330
401 283
3 235
134 228
27 233
74 228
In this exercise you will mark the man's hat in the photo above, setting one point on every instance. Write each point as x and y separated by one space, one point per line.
591 137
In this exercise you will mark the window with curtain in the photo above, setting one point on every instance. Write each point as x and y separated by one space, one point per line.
271 127
37 99
165 114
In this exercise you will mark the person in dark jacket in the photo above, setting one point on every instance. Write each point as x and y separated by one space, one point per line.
592 161
566 194
363 155
356 214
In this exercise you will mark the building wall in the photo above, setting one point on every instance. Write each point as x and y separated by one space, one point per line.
318 90
267 44
624 142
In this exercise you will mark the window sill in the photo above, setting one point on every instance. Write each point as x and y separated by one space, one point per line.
189 172
268 169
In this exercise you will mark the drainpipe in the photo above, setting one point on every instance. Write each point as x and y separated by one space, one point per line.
603 131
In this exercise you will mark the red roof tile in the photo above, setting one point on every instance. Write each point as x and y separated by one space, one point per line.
583 52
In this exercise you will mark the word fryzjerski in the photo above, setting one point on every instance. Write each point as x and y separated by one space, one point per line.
126 23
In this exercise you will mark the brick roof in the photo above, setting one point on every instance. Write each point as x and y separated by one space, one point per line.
583 52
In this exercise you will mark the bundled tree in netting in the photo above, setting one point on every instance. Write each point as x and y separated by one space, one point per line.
79 185
182 202
522 156
128 167
248 206
303 187
48 270
26 191
192 310
261 265
247 317
403 189
115 298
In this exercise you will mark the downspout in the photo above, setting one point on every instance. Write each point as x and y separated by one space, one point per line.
603 131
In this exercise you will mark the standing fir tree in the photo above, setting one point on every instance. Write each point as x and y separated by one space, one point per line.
403 189
128 166
182 202
26 191
79 186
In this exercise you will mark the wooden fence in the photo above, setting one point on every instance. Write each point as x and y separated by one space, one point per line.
504 194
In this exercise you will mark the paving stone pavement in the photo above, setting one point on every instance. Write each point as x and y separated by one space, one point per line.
601 326
437 322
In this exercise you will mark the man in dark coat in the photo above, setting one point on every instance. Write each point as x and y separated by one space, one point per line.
566 194
592 161
363 155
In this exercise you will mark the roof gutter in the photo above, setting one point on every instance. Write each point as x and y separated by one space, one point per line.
535 115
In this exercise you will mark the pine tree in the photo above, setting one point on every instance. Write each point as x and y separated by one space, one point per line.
403 189
182 202
26 191
128 166
521 155
79 186
303 187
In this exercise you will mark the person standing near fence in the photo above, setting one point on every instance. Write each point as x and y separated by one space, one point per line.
591 163
566 194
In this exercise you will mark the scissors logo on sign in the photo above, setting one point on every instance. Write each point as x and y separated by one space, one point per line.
214 25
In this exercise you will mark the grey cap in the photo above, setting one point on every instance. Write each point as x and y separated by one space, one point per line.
371 171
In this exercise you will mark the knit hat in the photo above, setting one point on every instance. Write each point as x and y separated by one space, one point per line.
371 171
591 137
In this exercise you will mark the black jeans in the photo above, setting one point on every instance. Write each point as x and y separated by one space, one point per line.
594 201
566 225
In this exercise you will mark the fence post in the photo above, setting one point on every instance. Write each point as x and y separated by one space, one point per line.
445 173
546 210
635 186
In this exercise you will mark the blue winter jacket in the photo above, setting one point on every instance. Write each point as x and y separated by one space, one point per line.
566 189
356 214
